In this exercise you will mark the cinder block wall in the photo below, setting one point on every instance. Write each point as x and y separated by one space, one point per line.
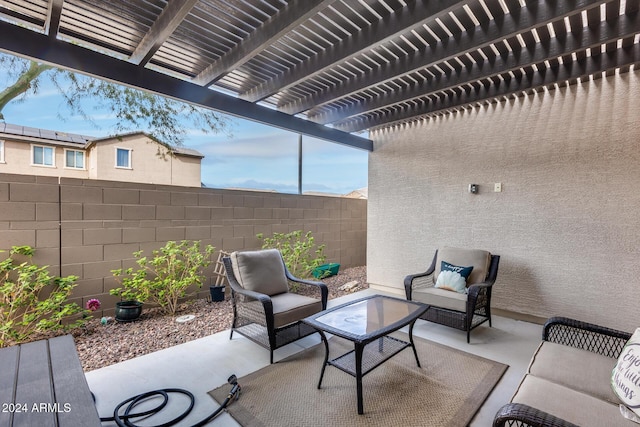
567 222
88 228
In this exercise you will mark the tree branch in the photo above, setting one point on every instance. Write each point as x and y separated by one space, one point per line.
22 85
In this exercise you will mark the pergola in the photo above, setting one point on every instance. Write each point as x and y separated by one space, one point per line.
329 68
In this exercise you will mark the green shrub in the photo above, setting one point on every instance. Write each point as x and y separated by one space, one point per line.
164 278
32 300
297 251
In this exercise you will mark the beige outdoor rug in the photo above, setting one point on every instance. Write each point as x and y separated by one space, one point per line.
447 391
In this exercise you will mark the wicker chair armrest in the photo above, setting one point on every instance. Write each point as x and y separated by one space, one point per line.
474 291
524 415
263 298
587 336
411 278
417 281
476 287
408 280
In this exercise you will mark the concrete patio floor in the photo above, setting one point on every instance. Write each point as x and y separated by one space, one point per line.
204 364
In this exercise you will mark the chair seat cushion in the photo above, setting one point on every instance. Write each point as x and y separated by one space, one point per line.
441 298
260 271
577 369
570 405
289 307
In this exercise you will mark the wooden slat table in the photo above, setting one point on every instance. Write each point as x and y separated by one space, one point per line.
42 384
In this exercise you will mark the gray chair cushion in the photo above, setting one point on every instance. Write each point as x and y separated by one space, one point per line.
260 271
290 307
441 298
479 259
577 369
571 405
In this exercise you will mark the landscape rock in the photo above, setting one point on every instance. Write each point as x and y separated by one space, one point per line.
103 345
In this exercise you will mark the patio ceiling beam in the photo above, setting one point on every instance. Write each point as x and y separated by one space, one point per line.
565 73
53 18
23 42
295 13
522 21
575 42
168 20
381 31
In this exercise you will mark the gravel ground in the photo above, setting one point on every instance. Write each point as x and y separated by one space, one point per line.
100 346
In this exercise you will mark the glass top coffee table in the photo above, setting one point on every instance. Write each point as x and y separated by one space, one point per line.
362 322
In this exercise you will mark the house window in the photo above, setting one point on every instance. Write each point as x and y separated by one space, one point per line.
1 151
74 159
123 158
43 156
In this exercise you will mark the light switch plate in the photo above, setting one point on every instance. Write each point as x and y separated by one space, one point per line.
497 187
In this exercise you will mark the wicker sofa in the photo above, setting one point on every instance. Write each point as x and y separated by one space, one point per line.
568 380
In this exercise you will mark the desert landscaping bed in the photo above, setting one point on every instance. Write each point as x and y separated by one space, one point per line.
102 345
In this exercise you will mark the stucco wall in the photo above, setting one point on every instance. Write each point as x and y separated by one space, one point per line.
185 171
103 223
150 163
18 159
567 223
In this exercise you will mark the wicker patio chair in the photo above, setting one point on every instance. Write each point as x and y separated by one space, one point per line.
460 311
264 310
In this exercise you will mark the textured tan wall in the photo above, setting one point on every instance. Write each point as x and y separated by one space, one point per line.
104 222
567 224
17 155
146 165
185 171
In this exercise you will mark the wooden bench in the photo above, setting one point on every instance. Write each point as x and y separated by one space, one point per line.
42 384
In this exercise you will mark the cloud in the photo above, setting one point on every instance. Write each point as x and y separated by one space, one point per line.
264 147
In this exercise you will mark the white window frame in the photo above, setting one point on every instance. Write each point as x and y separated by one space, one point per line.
2 151
130 150
84 159
44 147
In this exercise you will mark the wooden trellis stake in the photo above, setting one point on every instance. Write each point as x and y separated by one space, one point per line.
218 269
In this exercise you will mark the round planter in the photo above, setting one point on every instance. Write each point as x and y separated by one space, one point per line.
127 311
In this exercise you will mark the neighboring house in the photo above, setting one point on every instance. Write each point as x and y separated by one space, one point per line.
134 157
361 193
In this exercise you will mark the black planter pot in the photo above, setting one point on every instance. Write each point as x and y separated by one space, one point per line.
217 293
128 311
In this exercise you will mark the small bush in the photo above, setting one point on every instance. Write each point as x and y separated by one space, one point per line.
164 278
297 251
32 300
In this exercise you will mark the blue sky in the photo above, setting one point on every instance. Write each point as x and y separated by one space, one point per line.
254 156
